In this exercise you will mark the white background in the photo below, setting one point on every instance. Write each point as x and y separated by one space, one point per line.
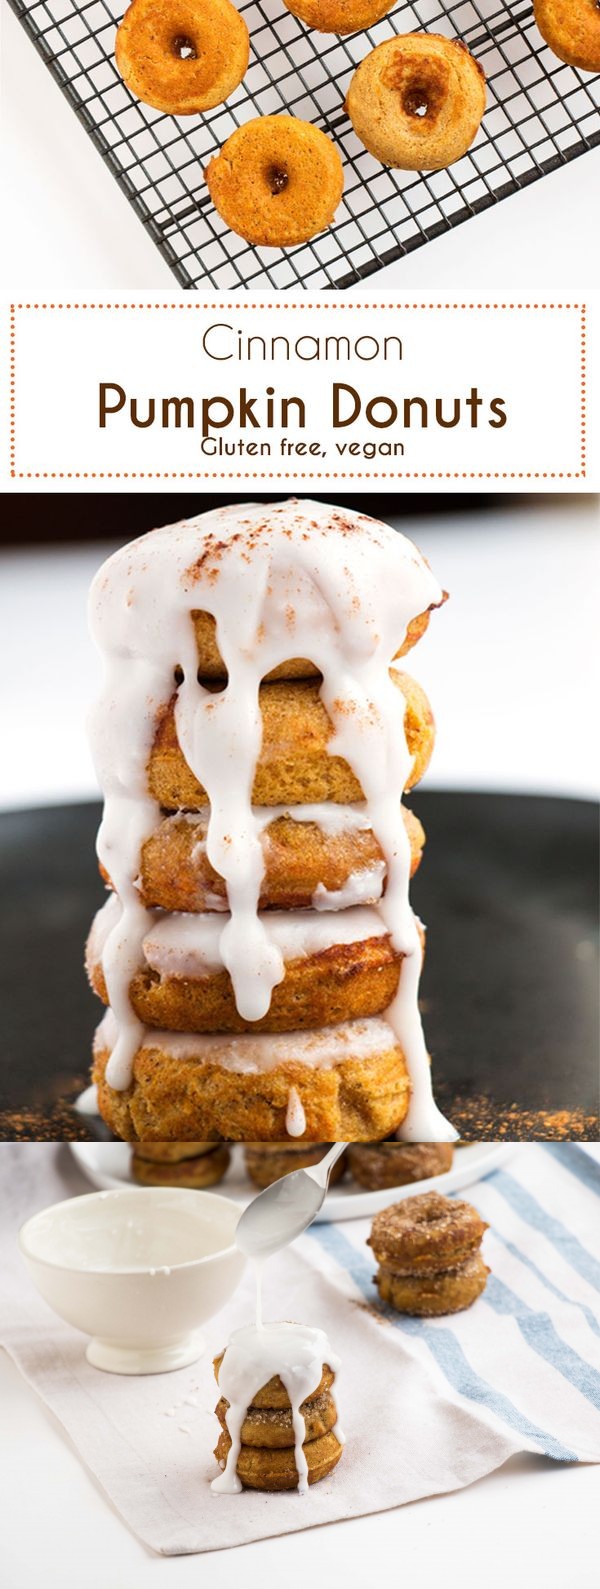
71 227
510 663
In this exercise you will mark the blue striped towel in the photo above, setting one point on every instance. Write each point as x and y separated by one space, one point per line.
427 1406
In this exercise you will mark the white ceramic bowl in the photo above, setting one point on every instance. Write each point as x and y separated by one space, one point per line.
139 1270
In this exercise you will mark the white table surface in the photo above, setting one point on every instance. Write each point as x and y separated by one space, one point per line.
510 664
70 228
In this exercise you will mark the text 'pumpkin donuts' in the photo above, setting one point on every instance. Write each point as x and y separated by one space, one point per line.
277 181
416 102
571 28
182 56
338 16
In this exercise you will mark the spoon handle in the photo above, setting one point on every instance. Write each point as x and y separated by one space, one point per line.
320 1172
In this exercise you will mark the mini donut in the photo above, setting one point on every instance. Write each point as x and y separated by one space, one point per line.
178 1092
299 858
426 1296
212 666
273 1427
378 1165
172 1152
268 1162
571 28
277 181
261 1469
343 983
207 1170
416 101
294 766
274 1395
425 1234
338 16
182 56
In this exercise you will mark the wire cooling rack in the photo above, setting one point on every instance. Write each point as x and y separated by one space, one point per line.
540 115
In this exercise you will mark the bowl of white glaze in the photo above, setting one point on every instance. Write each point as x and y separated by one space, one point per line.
138 1269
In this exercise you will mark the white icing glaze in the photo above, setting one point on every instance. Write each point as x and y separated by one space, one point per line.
253 1052
288 579
186 944
295 1119
255 1354
360 888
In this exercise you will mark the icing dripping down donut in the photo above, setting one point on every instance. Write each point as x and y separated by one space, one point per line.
287 579
256 1354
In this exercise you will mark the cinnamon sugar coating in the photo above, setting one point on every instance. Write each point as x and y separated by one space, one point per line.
426 1233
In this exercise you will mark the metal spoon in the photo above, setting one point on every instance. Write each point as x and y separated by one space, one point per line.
286 1208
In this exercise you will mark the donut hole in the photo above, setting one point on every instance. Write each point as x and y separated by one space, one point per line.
277 179
184 48
415 100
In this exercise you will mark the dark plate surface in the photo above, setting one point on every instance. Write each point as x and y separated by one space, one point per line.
508 887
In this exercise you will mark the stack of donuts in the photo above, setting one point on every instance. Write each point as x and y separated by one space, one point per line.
182 1055
194 1164
428 1249
266 1459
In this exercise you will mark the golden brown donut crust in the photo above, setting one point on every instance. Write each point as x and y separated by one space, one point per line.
268 1162
274 1394
343 983
261 1469
399 77
173 1152
338 16
294 767
277 181
428 1296
212 667
273 1427
199 1173
176 874
426 1233
171 1097
148 49
571 28
377 1165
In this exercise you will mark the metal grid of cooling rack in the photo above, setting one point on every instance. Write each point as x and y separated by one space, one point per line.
540 115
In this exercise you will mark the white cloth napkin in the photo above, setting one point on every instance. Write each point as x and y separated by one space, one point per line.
427 1407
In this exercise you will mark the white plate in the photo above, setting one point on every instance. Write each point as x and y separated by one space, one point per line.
108 1164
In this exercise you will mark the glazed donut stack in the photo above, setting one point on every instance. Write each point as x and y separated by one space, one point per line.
428 1249
266 1460
257 931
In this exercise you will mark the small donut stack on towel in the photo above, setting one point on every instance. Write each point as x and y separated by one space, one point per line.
428 1249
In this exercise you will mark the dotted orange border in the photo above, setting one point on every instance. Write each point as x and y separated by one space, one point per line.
330 307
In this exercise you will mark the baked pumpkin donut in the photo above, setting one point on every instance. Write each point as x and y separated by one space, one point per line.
262 1469
338 966
274 1395
426 1234
267 1162
351 1081
416 101
378 1165
338 16
196 1172
277 181
302 860
212 666
428 1295
273 1427
182 56
294 766
571 28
